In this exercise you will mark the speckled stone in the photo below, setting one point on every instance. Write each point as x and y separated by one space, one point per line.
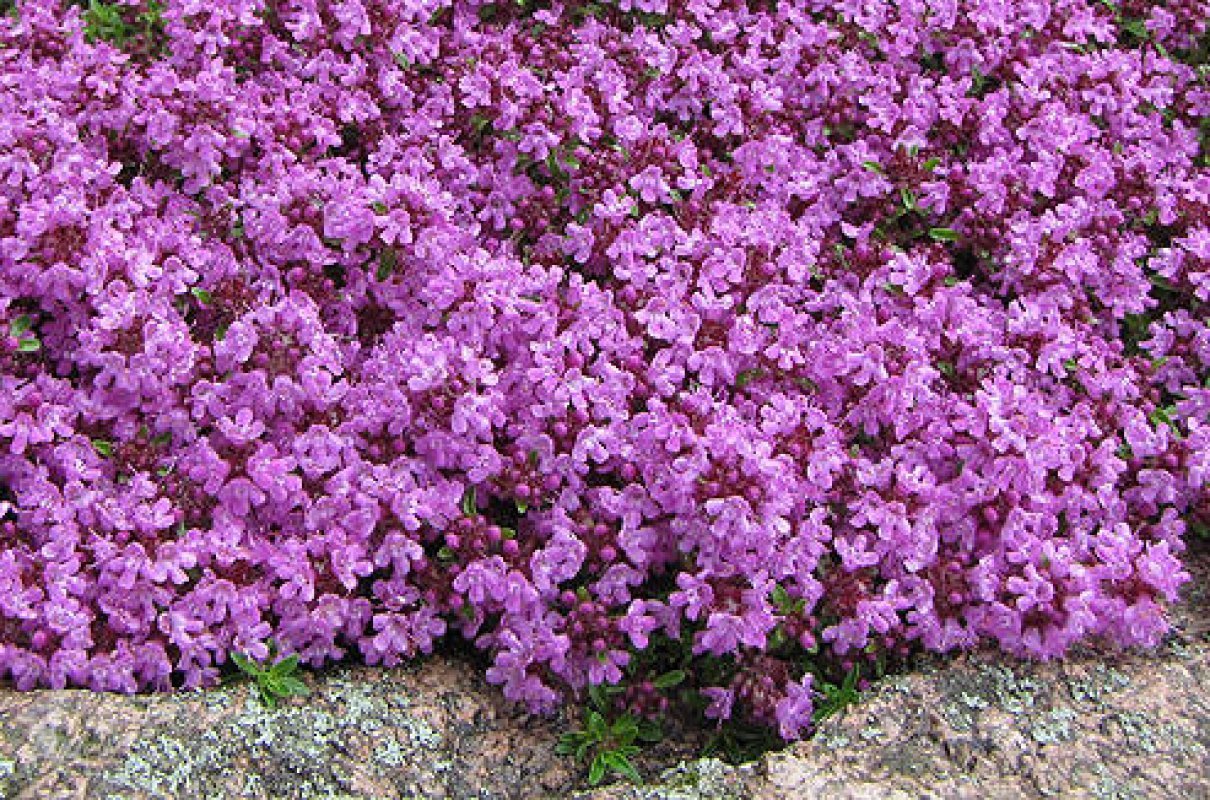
1098 725
434 730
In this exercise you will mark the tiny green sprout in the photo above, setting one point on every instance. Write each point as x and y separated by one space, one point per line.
838 698
785 603
201 295
104 449
908 197
609 746
943 234
273 682
873 166
19 329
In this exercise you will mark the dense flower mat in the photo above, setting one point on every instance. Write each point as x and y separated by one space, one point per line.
756 340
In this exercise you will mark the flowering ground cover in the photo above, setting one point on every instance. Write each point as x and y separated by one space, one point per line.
716 355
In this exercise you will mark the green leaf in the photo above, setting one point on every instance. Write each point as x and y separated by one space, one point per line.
908 197
621 765
624 729
744 378
596 772
1136 28
293 687
569 743
470 506
874 166
272 684
597 728
650 731
672 678
1163 416
103 21
245 664
387 261
931 164
29 345
204 297
582 750
286 666
943 234
103 448
20 325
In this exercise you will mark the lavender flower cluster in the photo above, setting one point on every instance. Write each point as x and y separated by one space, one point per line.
795 333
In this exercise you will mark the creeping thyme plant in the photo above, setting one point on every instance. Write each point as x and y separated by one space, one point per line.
759 344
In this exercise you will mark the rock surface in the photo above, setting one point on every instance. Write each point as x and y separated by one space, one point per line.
1098 725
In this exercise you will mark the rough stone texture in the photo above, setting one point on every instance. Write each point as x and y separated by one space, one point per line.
1099 725
434 731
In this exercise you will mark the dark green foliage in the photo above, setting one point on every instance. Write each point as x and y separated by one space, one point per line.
273 682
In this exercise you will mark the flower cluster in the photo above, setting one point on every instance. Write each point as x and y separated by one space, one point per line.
790 335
